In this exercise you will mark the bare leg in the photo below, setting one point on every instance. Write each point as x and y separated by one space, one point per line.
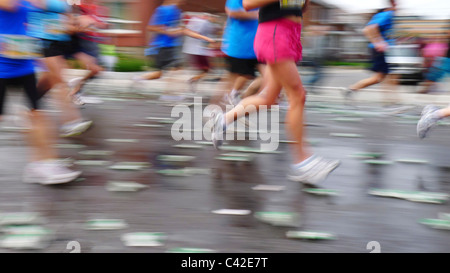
280 75
228 82
40 138
271 92
152 75
90 64
257 85
70 113
44 84
287 74
253 88
376 78
390 89
444 112
199 76
239 82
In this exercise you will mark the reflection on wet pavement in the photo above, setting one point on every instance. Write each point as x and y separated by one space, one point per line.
139 184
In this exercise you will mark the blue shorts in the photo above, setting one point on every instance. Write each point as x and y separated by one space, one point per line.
89 47
379 63
439 69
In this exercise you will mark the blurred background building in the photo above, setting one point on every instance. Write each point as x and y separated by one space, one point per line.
129 18
345 43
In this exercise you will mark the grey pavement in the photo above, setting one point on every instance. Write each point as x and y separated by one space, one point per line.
334 79
182 207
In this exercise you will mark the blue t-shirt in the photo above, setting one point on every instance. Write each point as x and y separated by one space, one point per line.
170 17
50 23
239 35
385 22
13 23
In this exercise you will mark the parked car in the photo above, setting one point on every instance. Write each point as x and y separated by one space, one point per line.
406 60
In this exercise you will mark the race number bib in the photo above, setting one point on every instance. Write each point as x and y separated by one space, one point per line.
20 47
291 3
55 27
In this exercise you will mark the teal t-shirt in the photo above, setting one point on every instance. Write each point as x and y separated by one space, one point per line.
385 22
239 35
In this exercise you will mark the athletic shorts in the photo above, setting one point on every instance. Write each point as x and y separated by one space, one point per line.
201 62
80 45
278 40
439 69
72 47
167 57
89 47
379 63
239 66
53 48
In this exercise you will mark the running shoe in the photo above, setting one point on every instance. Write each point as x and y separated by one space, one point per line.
313 172
347 93
225 101
137 79
233 99
217 130
74 82
78 100
427 121
75 128
49 173
136 82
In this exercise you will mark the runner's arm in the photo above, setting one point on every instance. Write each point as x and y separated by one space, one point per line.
8 5
372 33
161 29
241 14
196 35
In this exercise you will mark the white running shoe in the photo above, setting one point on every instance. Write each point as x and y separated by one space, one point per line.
427 121
233 99
78 100
49 173
347 93
314 172
75 128
217 130
137 80
74 82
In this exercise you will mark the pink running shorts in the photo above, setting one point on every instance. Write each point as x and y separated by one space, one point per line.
278 40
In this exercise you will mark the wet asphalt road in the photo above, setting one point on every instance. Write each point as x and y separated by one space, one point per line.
181 207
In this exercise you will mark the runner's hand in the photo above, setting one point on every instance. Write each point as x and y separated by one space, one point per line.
381 46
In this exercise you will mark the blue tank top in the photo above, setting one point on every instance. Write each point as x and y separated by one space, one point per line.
13 23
